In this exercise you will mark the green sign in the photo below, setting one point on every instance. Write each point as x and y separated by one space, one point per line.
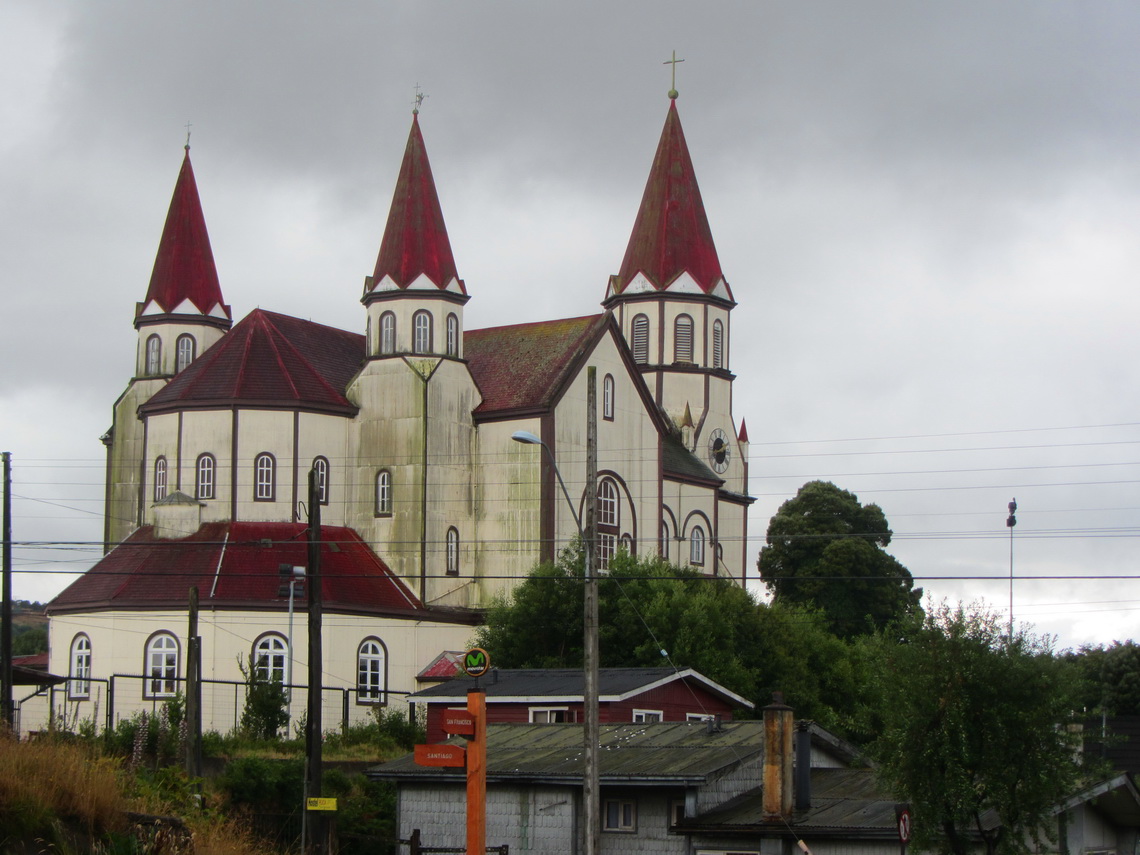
476 662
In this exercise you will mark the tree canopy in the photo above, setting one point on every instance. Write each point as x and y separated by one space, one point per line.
1110 677
973 732
826 550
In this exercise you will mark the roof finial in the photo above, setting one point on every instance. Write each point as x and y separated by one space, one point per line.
188 136
419 99
673 88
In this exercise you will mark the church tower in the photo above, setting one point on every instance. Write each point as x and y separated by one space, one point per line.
413 436
673 305
182 315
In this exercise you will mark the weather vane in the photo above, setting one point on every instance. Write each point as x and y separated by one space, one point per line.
673 62
188 136
419 99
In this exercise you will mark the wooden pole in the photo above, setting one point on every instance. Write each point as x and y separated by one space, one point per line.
7 713
313 721
477 774
193 691
591 784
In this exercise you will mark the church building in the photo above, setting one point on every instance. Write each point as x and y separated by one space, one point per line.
429 509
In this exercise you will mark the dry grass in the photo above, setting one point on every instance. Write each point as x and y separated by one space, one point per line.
40 781
218 836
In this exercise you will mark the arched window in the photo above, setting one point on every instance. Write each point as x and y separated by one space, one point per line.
387 333
371 672
718 345
186 351
321 465
160 479
697 546
609 519
640 339
161 666
153 355
264 477
269 656
79 686
683 339
383 493
453 551
205 477
453 335
608 397
421 332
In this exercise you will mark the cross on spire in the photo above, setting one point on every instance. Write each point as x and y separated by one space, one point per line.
188 136
418 100
673 86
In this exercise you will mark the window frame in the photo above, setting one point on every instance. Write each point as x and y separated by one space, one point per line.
648 716
372 681
626 812
608 394
452 551
422 332
639 339
263 662
205 485
161 478
161 665
697 546
152 355
718 344
185 352
532 712
321 464
383 494
608 516
79 668
265 477
683 338
387 343
453 335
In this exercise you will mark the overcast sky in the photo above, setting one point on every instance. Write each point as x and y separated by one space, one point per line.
928 215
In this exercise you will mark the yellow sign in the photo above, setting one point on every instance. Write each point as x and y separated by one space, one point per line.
320 804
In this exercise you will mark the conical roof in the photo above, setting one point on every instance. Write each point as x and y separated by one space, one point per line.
671 235
415 239
184 268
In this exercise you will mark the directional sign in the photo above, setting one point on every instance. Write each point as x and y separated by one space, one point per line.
476 662
441 755
320 804
458 721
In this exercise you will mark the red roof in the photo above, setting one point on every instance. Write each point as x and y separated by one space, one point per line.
184 267
526 366
671 235
270 360
743 435
415 239
236 565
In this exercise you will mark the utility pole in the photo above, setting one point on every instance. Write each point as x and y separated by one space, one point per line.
7 713
193 691
1011 521
591 784
316 825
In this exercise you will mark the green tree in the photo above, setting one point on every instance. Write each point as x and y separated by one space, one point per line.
1110 677
29 640
266 703
973 732
825 550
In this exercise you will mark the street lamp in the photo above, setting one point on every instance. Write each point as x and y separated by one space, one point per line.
296 576
591 785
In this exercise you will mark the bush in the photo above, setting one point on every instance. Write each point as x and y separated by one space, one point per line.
258 784
266 704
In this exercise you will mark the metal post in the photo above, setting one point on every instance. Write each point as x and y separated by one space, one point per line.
1011 521
6 609
313 730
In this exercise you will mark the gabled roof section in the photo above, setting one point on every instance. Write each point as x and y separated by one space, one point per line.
415 239
184 274
671 235
236 565
566 684
681 464
269 360
525 367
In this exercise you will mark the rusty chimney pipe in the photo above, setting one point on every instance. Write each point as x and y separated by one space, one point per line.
777 781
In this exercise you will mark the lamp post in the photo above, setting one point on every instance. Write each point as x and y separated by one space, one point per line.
591 784
296 576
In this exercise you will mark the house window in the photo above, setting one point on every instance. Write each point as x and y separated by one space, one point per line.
683 339
453 551
383 493
153 355
205 477
185 348
608 398
549 715
699 716
640 339
160 479
718 345
620 815
421 329
387 333
269 655
452 335
697 546
321 466
161 666
647 716
79 687
371 673
264 477
609 518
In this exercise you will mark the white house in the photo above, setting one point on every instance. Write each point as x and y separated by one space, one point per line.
408 424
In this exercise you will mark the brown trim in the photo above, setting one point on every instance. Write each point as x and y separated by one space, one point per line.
149 409
178 458
666 294
257 484
234 426
224 324
416 294
296 468
142 474
472 617
547 490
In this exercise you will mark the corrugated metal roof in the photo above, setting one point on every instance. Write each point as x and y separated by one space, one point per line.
680 462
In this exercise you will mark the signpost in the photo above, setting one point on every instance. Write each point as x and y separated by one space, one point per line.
902 815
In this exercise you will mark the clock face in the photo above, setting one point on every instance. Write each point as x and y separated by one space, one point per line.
718 450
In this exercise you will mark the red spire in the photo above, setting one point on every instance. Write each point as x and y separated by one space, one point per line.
743 435
671 235
415 239
184 267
